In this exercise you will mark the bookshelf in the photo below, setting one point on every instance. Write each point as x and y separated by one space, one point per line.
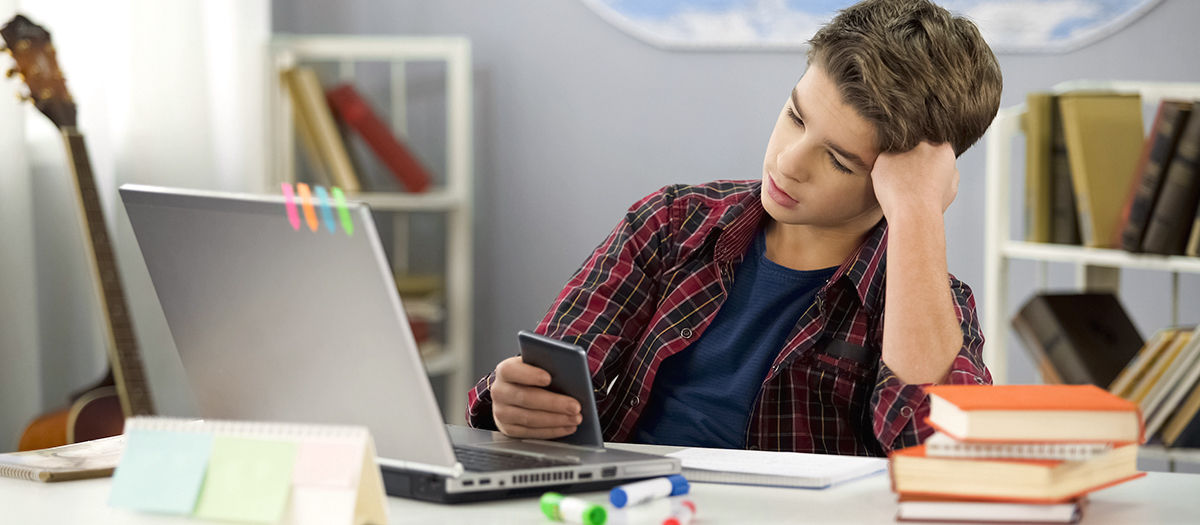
1096 269
450 196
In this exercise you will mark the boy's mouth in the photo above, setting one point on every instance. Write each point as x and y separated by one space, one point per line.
779 196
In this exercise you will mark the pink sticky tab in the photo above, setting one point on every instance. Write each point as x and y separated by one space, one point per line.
289 202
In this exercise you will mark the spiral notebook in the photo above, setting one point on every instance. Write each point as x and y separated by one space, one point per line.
941 445
779 469
249 472
88 459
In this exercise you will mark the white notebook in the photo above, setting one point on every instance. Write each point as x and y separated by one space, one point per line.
783 469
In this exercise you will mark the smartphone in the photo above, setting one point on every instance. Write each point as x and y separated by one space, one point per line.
567 364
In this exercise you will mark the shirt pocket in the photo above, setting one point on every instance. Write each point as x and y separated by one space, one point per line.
846 370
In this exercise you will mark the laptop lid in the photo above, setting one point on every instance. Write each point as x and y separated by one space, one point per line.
280 317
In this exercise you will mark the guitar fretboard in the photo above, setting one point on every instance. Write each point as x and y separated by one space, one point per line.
123 354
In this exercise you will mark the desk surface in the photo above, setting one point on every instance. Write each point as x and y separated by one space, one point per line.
1156 498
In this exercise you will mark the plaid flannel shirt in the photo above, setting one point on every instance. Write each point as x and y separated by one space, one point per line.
655 284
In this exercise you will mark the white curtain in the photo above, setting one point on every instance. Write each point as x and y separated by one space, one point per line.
170 92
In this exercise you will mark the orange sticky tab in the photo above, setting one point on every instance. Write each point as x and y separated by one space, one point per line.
310 214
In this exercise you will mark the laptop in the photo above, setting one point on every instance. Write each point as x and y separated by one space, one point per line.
275 320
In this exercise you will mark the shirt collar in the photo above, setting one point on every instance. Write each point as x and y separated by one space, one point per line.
863 270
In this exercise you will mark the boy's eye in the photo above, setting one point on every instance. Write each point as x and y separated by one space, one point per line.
838 165
795 118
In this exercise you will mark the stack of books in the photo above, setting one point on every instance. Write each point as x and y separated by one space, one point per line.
1016 453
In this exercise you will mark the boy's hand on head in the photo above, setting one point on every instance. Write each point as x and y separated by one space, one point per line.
523 408
921 180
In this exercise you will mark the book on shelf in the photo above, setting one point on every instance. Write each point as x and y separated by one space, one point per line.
917 508
354 110
915 473
1173 215
1064 217
1137 368
1039 182
1168 357
314 116
1157 150
1183 430
1033 413
1083 338
86 459
1104 138
1166 394
942 445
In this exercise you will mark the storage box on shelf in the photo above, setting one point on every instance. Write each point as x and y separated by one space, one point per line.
1096 269
452 356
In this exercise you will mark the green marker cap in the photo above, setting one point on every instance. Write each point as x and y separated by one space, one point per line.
591 513
550 501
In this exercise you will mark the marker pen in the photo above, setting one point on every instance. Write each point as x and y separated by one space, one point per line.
683 514
572 510
643 491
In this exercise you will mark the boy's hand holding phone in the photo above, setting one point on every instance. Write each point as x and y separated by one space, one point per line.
522 406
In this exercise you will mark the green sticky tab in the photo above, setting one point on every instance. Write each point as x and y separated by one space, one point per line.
160 471
248 480
339 199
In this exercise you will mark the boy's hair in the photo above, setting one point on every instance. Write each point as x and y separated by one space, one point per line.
913 70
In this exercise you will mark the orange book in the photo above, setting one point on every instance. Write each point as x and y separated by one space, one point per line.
1029 413
913 473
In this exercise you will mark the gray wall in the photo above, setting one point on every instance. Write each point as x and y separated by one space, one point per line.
575 120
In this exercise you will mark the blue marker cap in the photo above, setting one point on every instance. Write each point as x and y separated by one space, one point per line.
679 484
642 491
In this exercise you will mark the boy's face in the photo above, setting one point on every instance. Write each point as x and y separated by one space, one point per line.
819 159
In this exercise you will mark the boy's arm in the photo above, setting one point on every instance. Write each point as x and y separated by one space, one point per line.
930 327
599 306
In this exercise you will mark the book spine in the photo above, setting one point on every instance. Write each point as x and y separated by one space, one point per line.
1169 226
355 111
1039 180
1064 217
1164 136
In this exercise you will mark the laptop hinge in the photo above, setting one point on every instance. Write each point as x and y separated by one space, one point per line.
453 472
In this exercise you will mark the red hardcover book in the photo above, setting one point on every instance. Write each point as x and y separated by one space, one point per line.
352 109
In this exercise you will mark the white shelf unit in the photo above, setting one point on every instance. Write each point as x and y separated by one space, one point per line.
1096 269
454 198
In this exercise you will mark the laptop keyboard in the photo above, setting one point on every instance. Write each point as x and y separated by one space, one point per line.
480 460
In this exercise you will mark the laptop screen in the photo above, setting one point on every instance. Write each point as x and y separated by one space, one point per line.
285 314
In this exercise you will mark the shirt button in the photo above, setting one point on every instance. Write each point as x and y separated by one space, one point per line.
906 411
979 380
686 333
753 447
634 402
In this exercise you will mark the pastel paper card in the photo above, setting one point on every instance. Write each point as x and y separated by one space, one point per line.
248 480
160 471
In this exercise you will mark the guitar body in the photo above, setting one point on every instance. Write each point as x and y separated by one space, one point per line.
102 409
96 414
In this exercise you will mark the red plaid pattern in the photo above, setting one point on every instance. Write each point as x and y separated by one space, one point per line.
655 284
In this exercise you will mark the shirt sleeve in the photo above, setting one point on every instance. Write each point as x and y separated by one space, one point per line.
900 409
608 300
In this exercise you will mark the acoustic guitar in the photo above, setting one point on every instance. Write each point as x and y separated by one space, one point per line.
102 409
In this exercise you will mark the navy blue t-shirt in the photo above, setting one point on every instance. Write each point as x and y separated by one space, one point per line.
702 396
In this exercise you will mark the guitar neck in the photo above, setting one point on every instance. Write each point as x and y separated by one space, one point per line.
123 354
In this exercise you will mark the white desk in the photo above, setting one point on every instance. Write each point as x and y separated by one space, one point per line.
1157 498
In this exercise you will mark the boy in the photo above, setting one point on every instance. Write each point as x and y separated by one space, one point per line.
801 312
